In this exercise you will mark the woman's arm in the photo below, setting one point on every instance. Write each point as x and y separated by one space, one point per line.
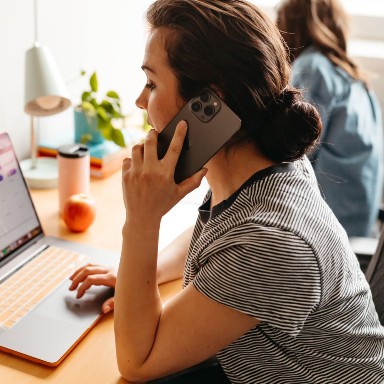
152 341
170 266
149 192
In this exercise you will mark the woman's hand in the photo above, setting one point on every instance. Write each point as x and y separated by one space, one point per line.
94 274
149 187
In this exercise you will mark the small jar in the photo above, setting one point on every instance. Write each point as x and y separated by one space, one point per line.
74 172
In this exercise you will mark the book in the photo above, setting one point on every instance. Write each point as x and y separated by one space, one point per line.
105 158
106 169
100 154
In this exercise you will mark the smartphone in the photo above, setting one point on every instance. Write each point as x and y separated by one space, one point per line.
211 123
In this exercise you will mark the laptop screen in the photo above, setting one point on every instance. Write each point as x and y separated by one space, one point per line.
19 223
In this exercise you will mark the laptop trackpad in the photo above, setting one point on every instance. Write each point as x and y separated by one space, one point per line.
63 305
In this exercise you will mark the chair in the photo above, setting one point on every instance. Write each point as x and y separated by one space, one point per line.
375 277
365 247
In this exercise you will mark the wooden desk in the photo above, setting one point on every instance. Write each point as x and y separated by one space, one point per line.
93 360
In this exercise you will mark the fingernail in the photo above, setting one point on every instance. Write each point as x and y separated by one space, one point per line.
106 309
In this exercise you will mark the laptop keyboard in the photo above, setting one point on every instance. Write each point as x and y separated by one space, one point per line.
21 292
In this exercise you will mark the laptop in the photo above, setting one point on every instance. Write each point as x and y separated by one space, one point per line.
40 319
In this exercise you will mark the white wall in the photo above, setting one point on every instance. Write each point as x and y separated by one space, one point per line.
107 36
103 35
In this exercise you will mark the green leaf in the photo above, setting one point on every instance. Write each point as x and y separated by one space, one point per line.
113 95
117 137
94 103
87 107
117 115
102 114
107 106
103 124
93 82
106 129
86 138
86 96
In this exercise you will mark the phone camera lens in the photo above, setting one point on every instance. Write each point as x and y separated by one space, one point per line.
196 106
205 97
209 110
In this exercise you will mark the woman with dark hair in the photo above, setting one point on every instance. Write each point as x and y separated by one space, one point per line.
349 161
271 285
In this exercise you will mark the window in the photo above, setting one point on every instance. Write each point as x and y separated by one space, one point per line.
367 17
366 44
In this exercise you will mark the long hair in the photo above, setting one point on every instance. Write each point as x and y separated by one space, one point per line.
233 46
320 23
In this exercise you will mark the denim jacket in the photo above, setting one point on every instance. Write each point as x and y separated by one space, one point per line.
349 160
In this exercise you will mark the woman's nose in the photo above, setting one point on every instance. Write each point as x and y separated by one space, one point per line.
141 101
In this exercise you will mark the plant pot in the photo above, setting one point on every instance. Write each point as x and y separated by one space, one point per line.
86 126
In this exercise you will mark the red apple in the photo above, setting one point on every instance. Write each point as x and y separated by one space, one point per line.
79 212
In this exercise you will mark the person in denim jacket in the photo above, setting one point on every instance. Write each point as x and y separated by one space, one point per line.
348 161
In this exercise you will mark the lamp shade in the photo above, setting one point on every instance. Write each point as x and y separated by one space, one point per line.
45 90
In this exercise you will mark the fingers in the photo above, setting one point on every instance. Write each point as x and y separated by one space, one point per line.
137 154
127 163
89 275
176 144
149 151
90 281
80 275
146 151
150 146
108 305
88 267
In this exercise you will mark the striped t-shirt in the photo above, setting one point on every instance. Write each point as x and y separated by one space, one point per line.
275 251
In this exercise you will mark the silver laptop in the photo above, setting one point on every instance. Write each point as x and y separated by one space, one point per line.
40 319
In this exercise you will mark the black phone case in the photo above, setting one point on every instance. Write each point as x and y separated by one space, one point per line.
211 123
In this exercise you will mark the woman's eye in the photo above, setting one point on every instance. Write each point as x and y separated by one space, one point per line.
150 86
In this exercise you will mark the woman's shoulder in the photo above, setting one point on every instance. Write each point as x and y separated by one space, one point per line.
305 167
311 59
314 71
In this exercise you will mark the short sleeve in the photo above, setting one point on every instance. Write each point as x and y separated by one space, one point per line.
267 273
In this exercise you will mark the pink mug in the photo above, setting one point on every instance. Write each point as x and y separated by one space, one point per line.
74 172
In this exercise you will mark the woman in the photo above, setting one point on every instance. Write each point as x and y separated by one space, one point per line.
271 286
348 163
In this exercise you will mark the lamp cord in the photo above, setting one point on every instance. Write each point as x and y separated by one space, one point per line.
35 19
34 139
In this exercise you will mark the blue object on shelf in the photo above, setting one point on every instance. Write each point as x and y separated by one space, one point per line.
86 125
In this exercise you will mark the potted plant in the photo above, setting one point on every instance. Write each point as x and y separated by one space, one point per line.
95 119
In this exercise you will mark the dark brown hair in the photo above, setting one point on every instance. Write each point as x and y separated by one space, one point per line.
321 23
233 46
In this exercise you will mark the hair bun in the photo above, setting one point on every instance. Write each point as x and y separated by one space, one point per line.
291 127
287 98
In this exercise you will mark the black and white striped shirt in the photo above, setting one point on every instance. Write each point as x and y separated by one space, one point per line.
275 251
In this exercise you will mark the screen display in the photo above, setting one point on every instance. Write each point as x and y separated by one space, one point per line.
18 219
